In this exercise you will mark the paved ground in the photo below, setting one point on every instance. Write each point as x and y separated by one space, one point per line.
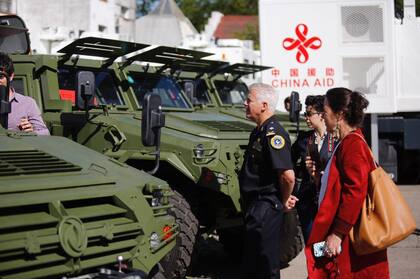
404 257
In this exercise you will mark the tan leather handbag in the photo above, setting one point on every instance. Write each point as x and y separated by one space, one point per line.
385 218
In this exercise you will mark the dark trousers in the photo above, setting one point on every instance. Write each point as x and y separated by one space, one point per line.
306 213
263 220
307 209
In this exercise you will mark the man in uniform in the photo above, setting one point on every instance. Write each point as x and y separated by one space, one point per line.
266 182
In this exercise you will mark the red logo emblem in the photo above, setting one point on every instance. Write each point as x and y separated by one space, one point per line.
302 43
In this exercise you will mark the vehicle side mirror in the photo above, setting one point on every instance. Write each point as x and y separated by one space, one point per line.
85 90
295 107
152 120
189 89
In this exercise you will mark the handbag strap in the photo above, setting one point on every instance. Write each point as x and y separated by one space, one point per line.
371 153
369 197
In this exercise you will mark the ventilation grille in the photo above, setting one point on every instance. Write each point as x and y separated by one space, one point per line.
228 125
365 74
32 237
362 24
32 162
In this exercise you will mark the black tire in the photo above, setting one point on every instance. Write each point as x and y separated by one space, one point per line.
157 273
175 264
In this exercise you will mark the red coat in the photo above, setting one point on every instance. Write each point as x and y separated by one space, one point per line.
339 211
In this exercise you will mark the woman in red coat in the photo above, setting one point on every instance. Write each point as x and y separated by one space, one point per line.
343 190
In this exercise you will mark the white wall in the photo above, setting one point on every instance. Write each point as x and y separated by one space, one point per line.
125 14
52 20
102 14
52 23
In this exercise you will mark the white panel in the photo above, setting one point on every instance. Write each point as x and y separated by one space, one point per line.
364 74
312 72
368 52
408 57
357 48
362 24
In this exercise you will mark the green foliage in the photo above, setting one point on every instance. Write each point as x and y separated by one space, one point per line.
144 6
251 32
199 11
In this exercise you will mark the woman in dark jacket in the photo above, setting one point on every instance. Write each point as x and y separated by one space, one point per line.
317 144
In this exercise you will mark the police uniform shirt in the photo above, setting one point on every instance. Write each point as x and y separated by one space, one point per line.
268 152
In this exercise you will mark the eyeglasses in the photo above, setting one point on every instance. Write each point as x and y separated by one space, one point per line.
310 113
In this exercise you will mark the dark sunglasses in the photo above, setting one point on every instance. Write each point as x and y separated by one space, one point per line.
309 114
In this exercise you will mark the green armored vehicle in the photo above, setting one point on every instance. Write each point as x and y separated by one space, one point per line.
218 85
70 212
108 124
201 150
67 211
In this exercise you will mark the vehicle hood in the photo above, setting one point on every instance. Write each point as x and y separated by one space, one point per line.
209 124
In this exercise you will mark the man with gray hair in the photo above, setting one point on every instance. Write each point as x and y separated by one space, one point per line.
266 182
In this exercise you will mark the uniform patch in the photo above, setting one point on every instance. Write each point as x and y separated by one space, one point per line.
270 134
277 142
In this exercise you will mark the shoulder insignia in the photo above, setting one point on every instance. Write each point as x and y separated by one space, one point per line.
277 142
270 133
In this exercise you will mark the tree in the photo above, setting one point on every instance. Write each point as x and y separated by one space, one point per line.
199 11
143 7
251 32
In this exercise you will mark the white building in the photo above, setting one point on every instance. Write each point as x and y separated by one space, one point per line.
165 25
54 23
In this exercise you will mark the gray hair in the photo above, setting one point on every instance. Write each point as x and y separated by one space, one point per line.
265 92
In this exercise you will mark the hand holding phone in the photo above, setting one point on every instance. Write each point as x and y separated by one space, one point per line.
321 249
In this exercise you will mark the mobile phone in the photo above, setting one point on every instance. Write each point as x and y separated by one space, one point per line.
319 249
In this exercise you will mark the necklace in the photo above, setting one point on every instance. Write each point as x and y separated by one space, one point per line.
319 139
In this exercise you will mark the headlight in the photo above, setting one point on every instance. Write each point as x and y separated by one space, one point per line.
157 197
211 178
221 177
154 240
203 155
199 151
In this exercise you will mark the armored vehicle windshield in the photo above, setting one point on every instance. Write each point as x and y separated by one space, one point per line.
231 92
106 90
167 88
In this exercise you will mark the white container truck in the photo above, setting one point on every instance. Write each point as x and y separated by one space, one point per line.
372 46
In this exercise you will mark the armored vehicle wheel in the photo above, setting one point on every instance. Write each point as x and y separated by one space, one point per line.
176 263
158 274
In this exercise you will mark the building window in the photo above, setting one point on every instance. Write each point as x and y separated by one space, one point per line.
101 28
5 6
125 12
